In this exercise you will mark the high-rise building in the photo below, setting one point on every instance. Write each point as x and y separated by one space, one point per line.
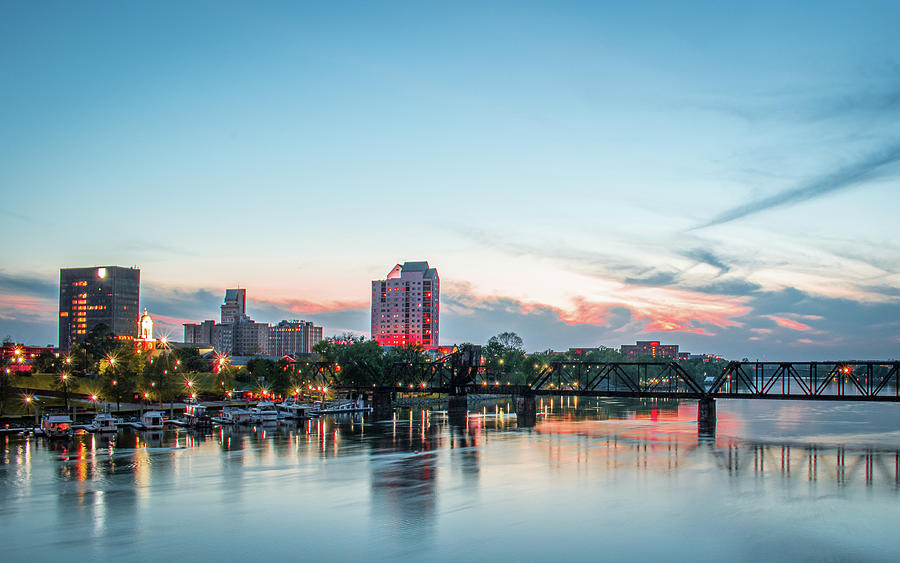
102 294
406 306
293 337
235 305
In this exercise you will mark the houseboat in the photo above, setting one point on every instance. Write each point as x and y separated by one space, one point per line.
152 420
104 422
264 413
56 425
196 416
294 410
234 416
341 406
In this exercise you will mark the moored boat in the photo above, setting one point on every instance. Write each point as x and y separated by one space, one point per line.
343 406
104 422
56 425
152 420
235 416
196 416
264 412
291 409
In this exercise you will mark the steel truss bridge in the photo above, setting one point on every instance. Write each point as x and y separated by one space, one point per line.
822 381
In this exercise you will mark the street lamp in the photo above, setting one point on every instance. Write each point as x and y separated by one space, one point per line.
65 380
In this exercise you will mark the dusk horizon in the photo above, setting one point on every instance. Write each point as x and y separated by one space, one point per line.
580 175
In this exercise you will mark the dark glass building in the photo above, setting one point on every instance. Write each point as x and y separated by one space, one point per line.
102 294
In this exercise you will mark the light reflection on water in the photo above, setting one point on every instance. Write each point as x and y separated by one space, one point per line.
593 478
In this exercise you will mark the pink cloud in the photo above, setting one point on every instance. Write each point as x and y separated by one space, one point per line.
29 306
788 323
662 309
663 325
303 306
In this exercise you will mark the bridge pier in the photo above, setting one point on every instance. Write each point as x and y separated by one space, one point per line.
706 415
381 405
458 409
526 411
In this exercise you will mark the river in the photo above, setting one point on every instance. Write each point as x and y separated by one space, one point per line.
600 479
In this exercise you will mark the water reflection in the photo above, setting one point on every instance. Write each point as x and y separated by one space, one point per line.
415 484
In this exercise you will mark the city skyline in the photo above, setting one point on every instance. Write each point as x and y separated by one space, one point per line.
723 179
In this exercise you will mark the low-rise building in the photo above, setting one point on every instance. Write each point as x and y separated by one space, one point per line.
293 337
650 348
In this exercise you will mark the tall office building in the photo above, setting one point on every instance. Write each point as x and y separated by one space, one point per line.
406 306
293 337
235 305
101 294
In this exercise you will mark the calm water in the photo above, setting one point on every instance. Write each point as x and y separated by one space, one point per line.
780 481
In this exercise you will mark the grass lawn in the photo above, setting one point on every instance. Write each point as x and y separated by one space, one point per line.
203 382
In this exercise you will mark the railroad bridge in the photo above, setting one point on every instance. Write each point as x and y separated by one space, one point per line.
462 373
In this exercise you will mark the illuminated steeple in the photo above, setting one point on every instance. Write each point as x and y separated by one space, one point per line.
145 327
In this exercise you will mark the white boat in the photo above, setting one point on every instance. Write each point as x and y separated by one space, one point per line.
344 405
196 416
152 420
264 412
104 422
291 409
234 416
56 426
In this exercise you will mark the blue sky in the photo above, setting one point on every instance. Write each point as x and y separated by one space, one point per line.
719 175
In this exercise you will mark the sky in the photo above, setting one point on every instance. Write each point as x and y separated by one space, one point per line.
719 175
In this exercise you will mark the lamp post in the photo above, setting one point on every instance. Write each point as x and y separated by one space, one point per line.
31 401
65 380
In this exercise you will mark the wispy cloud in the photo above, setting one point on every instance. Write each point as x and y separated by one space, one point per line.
23 284
705 256
847 177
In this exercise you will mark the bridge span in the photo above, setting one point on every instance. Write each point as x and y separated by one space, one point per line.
463 373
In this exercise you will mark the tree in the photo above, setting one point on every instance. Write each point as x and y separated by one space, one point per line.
121 371
509 340
503 356
225 377
191 360
62 383
280 380
46 362
100 342
78 362
7 385
401 363
355 361
162 376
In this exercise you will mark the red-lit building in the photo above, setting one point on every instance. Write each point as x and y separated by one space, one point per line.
20 356
650 348
406 306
